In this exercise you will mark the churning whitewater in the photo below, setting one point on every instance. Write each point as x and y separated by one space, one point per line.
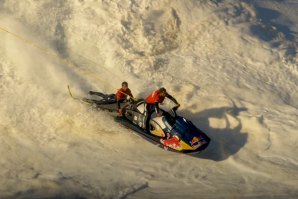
232 65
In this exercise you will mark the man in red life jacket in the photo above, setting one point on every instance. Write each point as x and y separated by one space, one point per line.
153 100
121 95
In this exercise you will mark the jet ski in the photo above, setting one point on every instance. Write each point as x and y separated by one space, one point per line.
170 131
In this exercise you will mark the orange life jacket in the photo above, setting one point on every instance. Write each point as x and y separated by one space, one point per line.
154 97
121 94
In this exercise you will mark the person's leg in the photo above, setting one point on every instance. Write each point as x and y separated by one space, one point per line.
119 104
120 111
148 116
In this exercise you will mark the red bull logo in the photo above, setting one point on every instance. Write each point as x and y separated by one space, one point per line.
173 142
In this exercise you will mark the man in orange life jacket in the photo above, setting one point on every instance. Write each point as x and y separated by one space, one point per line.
153 101
121 95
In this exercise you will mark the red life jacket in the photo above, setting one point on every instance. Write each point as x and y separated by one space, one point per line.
154 97
121 94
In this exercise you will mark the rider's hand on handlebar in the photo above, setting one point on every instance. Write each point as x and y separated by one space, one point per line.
176 107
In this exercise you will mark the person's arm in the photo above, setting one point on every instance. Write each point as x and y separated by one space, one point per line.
129 93
172 98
